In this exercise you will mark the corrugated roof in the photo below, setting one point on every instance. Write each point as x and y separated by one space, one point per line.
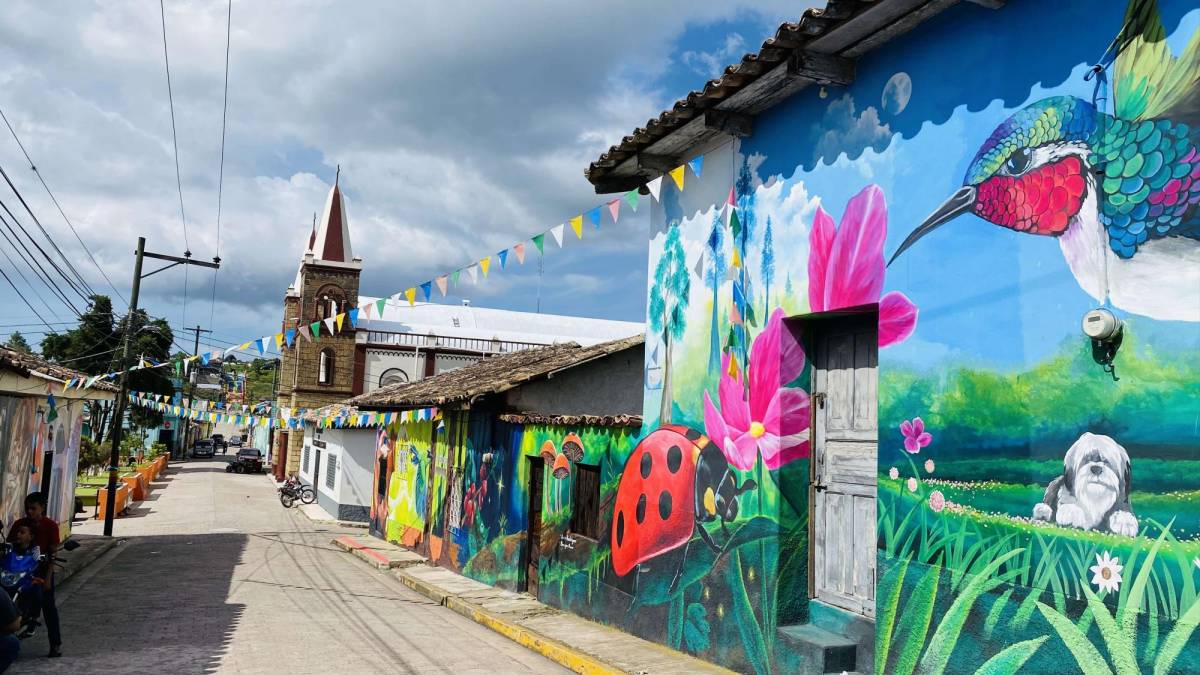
820 48
488 376
24 364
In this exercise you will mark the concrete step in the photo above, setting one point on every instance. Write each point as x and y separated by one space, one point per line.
828 652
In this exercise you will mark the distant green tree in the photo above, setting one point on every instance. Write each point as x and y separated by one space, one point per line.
668 305
17 342
768 266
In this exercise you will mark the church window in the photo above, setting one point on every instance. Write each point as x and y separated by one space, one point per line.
325 367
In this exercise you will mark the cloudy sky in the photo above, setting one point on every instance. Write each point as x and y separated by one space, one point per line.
460 129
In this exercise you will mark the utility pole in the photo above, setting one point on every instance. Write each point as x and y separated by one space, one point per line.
187 426
118 420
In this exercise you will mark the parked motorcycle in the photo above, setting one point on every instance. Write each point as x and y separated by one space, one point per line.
293 490
18 574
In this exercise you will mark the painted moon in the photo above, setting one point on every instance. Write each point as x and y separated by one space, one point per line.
896 93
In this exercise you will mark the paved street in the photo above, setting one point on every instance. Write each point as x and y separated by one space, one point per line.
190 590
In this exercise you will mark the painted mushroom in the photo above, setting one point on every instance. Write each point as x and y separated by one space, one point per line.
549 451
572 447
562 468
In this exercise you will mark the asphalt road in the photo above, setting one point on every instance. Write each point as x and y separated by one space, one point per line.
214 576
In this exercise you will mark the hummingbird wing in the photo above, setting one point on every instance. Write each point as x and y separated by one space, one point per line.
1148 81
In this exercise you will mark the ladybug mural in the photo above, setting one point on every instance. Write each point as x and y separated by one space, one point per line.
674 481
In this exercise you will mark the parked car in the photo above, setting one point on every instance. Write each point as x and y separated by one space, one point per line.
236 440
203 448
219 440
247 460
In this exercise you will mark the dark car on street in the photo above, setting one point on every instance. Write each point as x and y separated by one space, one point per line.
203 448
219 440
235 441
247 460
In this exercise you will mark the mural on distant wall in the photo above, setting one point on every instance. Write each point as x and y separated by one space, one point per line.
404 456
18 437
30 428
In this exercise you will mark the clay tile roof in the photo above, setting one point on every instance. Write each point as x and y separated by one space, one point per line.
25 364
492 375
573 420
844 29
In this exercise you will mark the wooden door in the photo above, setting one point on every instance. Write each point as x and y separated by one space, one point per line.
533 539
844 461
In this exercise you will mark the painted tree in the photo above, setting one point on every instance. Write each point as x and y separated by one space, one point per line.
714 274
768 266
17 342
668 305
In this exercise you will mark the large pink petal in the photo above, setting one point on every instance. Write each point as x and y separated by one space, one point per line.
734 409
918 426
745 452
764 366
790 416
790 450
906 428
854 275
714 424
897 318
820 243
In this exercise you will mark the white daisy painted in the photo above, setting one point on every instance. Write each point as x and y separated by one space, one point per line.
1107 573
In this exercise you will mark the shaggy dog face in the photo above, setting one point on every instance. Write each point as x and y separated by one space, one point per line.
1093 492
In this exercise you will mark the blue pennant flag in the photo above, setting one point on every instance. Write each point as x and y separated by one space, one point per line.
594 216
353 314
204 359
696 164
425 288
290 336
502 255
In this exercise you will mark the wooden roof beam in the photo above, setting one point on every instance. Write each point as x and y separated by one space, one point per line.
734 124
821 68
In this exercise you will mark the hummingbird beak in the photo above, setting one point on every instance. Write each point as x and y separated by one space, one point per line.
962 201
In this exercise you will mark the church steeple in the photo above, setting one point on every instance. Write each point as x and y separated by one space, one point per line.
332 240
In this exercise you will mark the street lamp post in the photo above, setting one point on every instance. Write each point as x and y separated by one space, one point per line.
114 457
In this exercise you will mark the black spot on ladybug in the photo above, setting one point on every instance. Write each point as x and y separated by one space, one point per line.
620 527
641 509
674 458
664 505
647 464
692 435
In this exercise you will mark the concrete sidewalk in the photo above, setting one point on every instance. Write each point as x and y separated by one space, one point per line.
578 644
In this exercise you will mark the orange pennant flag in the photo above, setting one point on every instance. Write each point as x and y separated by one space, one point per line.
519 249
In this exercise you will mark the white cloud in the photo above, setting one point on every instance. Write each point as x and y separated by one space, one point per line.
711 63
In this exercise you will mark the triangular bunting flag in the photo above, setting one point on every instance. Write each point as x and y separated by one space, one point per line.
614 209
339 319
316 329
558 234
244 346
540 242
329 325
472 273
503 256
379 305
204 359
732 197
677 176
696 164
594 216
577 226
455 276
263 343
426 288
410 294
737 259
290 336
366 309
353 317
519 249
484 263
654 187
279 342
441 284
631 198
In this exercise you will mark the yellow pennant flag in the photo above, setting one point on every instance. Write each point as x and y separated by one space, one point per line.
339 319
737 259
484 263
577 225
244 346
279 341
733 368
677 176
411 294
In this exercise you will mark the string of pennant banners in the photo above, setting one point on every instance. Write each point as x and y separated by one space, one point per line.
289 418
333 324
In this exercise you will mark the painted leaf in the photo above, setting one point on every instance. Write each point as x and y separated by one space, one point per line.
696 628
994 614
1132 605
888 601
914 624
1119 644
1086 657
1011 659
743 614
1177 639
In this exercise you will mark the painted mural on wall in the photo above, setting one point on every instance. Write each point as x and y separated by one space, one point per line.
29 429
1034 510
403 453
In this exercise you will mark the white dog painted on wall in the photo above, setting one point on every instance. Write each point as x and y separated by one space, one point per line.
1093 492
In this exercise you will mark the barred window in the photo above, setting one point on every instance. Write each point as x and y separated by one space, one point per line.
304 458
330 471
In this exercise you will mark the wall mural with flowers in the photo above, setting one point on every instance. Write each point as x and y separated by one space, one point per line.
1037 510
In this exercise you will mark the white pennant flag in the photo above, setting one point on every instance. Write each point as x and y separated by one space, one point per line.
655 186
558 234
265 343
473 273
329 325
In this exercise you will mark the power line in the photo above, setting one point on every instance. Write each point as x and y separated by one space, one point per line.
212 307
54 199
31 261
174 137
45 234
30 285
21 295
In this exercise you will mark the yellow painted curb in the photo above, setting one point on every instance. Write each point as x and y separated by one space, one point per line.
555 651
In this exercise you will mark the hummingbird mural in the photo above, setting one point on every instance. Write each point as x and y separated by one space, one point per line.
1119 191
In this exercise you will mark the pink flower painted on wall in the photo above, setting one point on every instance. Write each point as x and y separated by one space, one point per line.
915 436
773 420
846 267
937 501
